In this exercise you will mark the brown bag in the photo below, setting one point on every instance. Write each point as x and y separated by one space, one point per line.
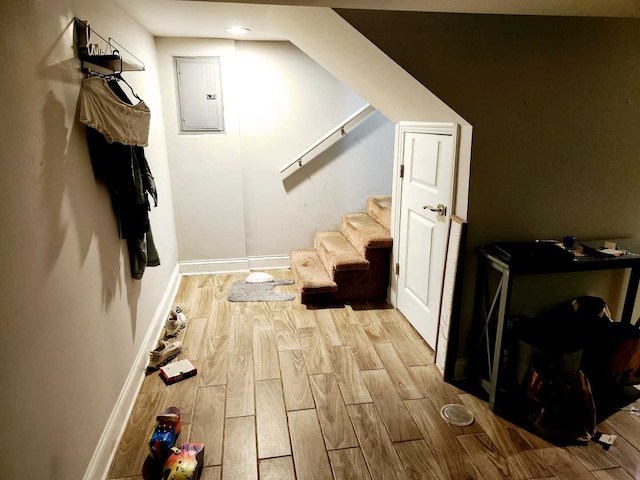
562 406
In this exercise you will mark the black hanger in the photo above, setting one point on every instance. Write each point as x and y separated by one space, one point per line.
121 78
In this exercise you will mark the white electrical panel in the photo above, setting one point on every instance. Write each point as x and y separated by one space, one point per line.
199 92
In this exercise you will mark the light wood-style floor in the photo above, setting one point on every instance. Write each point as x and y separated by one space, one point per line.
283 392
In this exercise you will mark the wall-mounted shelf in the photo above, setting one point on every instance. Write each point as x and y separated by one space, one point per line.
105 56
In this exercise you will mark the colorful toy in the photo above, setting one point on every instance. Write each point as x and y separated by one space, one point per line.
185 463
165 435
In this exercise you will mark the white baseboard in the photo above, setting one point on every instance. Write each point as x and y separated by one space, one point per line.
200 267
268 262
105 451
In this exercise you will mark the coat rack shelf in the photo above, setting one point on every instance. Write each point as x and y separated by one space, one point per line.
105 56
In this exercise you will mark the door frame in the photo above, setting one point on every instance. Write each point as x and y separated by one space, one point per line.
436 128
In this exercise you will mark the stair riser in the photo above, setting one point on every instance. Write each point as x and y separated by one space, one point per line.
362 244
325 256
362 285
380 214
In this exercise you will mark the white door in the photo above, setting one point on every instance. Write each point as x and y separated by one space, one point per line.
427 154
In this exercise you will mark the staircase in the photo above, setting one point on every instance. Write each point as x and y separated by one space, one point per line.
351 265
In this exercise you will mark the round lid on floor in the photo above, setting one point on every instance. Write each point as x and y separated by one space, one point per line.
457 414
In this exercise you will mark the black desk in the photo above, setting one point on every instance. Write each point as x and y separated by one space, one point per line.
535 262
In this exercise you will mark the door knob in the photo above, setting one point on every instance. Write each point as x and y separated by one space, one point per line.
441 210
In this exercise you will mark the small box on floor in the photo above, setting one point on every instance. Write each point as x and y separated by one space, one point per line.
177 371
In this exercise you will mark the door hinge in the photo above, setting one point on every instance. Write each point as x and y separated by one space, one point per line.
397 269
402 171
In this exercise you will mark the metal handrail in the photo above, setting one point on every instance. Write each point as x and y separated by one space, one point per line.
366 110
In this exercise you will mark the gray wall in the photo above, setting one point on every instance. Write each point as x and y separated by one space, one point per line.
73 320
555 108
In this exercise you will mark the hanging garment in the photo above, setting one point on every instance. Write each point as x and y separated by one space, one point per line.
116 119
124 170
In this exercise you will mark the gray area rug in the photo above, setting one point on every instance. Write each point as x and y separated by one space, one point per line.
242 291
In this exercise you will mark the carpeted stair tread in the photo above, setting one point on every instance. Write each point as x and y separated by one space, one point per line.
310 273
364 232
379 208
337 253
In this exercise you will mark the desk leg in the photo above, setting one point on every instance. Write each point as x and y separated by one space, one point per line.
497 351
630 298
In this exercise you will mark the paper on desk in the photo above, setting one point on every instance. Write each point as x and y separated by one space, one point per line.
611 251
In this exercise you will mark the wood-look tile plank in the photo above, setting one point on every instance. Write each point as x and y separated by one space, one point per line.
410 353
212 367
628 427
593 456
316 356
522 459
396 417
152 383
343 316
219 318
240 460
271 420
622 451
332 413
489 462
134 446
241 335
295 382
188 284
206 280
309 455
431 384
562 464
348 376
328 328
280 468
372 326
211 473
349 464
413 335
363 351
182 395
201 304
385 312
223 282
285 331
304 318
612 474
265 355
208 422
259 312
402 378
193 339
382 459
240 386
441 439
419 461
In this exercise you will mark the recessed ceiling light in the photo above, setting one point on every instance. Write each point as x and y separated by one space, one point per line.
237 30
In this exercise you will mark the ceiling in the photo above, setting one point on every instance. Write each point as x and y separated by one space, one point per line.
181 18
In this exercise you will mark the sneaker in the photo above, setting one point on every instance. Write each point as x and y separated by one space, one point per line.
175 323
164 353
164 436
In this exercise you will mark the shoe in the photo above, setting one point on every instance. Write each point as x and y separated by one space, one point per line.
175 323
165 435
185 463
164 353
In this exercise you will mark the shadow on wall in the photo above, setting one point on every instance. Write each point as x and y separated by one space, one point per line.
69 196
352 140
